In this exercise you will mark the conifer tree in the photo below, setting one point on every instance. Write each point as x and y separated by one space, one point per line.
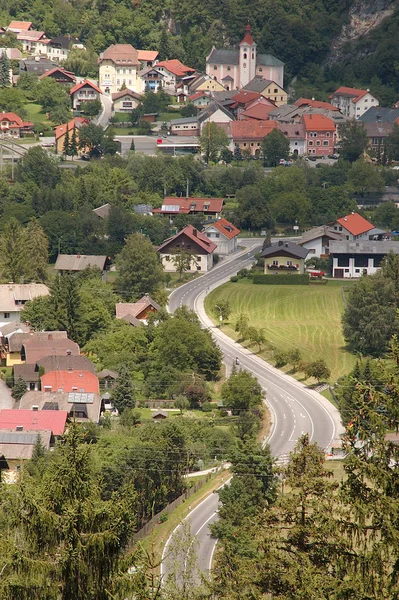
36 252
4 71
65 149
12 251
73 146
19 389
123 395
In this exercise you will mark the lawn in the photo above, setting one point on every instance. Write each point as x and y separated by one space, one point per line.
304 317
35 114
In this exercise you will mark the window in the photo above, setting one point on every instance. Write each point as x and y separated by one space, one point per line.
325 143
260 70
346 270
214 67
6 315
245 55
310 143
245 143
275 91
228 68
217 235
127 104
275 263
198 268
289 263
118 81
365 100
318 143
167 258
199 258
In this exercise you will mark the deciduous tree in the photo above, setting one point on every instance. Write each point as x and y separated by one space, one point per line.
353 140
212 141
275 146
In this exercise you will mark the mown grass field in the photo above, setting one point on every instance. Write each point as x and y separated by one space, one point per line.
307 317
35 114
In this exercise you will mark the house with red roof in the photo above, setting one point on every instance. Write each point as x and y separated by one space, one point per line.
34 42
315 104
12 124
200 99
190 241
136 313
84 92
353 227
120 66
210 208
18 26
72 380
60 132
224 234
174 72
247 135
295 134
60 75
353 102
34 420
320 134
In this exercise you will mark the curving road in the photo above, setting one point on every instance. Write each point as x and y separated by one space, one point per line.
294 408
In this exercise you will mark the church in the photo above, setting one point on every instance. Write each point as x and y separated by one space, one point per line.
235 68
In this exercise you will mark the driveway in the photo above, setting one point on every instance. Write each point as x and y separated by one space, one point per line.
6 400
106 112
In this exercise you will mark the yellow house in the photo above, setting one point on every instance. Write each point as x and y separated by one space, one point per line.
125 101
60 133
284 257
268 89
120 65
205 83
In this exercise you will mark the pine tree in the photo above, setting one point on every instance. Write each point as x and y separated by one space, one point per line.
132 146
123 394
36 252
19 389
65 149
4 71
12 251
73 146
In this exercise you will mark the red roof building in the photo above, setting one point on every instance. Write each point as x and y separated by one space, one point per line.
224 234
315 104
353 226
190 241
137 310
175 67
84 92
18 26
353 102
12 124
70 381
319 134
34 420
60 75
210 207
247 39
248 134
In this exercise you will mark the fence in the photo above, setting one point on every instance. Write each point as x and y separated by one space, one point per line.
148 527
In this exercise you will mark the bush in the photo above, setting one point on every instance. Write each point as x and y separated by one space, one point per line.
163 517
283 279
281 359
207 407
234 278
243 273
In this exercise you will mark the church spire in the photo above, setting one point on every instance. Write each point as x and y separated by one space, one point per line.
247 39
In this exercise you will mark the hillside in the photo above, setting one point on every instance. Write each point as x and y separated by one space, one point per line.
321 42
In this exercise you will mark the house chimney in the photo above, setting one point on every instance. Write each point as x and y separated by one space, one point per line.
35 407
19 428
281 243
195 232
69 352
50 336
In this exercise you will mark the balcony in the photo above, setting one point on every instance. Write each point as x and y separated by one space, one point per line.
283 268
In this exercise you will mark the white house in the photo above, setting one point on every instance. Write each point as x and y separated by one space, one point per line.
13 297
190 241
352 259
317 240
352 102
353 227
223 234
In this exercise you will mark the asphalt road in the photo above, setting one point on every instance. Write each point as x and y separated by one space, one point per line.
294 408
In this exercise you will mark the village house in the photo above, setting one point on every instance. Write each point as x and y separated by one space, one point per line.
191 241
200 99
137 311
71 380
203 83
352 259
33 42
12 344
59 47
22 419
30 373
353 227
60 133
13 297
37 65
319 134
19 26
125 101
120 65
317 240
291 113
295 134
153 79
224 234
107 379
209 208
84 92
268 89
284 257
312 103
17 446
12 125
234 68
72 263
173 72
80 406
33 350
353 102
247 136
214 113
11 53
61 76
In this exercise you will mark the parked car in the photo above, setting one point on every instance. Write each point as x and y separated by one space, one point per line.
333 156
282 161
312 158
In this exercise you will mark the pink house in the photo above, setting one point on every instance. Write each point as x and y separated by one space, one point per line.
319 134
236 67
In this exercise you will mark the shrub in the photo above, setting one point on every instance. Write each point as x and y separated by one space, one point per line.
243 273
281 359
207 407
163 517
234 278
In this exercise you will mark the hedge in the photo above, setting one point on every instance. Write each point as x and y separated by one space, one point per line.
286 279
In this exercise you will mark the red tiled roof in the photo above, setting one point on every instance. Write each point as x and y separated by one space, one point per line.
175 66
347 91
125 92
120 54
67 380
80 85
32 36
135 309
244 97
225 227
214 205
13 118
198 95
318 123
61 129
251 129
34 420
61 70
258 111
247 39
21 25
36 349
149 55
314 104
355 224
194 235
